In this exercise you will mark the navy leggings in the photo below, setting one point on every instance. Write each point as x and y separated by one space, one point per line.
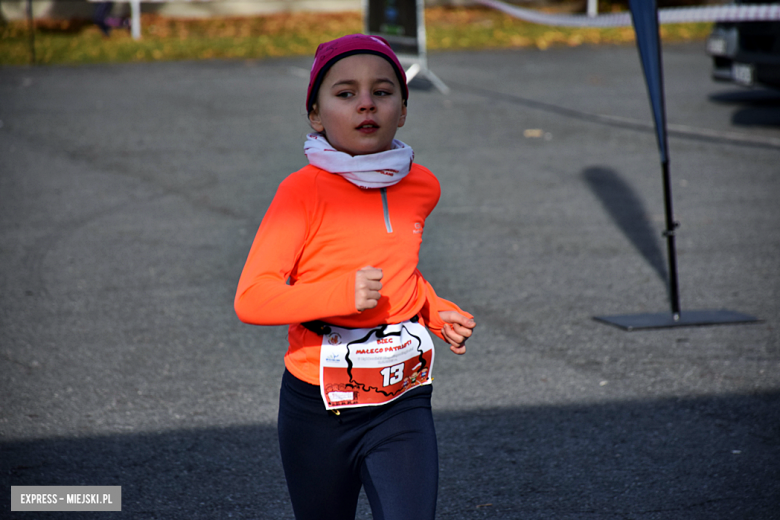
390 450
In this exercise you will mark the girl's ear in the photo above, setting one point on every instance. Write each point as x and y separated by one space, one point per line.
314 119
402 119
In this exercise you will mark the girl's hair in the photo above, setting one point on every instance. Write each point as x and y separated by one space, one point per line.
330 52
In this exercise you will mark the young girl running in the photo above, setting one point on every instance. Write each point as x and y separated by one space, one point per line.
335 258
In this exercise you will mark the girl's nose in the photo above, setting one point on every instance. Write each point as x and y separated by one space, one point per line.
366 102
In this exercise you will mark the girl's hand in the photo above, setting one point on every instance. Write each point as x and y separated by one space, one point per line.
367 285
457 330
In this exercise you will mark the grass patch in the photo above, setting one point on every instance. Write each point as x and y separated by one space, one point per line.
166 39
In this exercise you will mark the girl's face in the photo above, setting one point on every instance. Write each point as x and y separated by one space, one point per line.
359 106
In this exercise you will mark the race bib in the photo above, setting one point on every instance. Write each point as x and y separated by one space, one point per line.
369 367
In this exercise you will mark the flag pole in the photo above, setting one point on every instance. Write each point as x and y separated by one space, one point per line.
671 247
644 14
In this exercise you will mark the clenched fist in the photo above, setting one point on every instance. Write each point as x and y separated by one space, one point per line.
368 282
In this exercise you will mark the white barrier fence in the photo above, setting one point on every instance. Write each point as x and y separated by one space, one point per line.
234 8
720 13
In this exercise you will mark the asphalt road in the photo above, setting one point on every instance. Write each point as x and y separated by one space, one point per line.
129 196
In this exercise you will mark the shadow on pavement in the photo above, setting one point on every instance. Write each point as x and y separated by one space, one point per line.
628 212
754 107
708 458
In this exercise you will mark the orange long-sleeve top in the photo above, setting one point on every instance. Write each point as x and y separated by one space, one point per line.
319 230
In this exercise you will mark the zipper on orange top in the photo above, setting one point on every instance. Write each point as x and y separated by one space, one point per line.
386 210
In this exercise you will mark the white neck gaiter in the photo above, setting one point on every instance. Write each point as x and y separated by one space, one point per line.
376 170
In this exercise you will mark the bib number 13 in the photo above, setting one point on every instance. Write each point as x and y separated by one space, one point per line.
392 375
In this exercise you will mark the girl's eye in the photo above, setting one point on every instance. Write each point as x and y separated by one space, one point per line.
344 94
383 93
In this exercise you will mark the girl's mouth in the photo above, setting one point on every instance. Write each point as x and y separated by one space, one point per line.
368 127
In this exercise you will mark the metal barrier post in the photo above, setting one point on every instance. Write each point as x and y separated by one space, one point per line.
135 19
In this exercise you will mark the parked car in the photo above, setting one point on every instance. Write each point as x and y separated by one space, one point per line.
746 53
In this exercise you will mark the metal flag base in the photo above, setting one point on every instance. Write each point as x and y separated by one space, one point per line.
420 69
665 320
